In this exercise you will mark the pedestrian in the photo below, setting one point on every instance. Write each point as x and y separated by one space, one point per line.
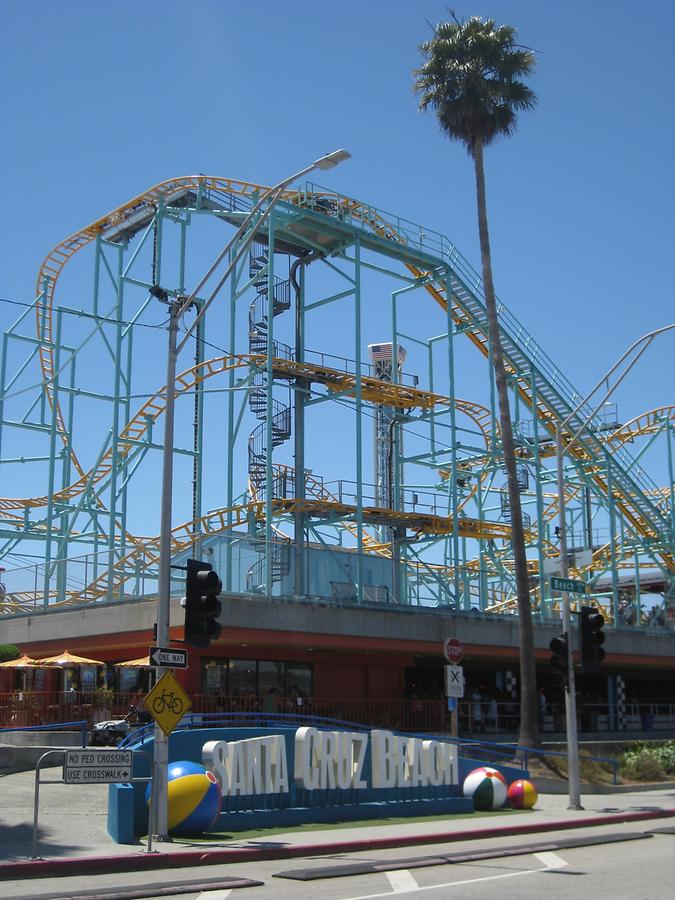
270 702
476 710
542 709
491 714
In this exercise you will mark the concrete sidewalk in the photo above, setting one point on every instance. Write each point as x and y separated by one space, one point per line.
72 836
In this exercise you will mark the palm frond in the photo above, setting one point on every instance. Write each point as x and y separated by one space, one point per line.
472 77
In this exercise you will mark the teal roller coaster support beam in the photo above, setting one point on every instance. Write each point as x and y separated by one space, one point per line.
612 537
453 442
269 424
231 349
51 477
539 493
116 421
359 416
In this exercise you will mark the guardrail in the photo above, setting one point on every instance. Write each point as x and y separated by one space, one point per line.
489 749
82 725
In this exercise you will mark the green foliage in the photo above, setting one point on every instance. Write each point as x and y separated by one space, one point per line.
649 762
472 79
9 651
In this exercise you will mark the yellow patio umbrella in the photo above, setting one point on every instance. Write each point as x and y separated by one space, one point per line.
70 659
23 662
142 663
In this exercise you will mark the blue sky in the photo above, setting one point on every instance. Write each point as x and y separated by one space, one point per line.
101 100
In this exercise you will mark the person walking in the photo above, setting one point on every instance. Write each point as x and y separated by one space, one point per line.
542 708
476 710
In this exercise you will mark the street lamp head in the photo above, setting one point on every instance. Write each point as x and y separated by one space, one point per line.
330 160
159 293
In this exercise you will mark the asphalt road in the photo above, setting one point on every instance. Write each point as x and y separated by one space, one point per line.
613 862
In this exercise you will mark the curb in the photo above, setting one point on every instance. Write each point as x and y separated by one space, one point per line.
43 868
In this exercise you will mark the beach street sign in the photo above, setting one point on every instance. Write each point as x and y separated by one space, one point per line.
94 766
571 585
172 659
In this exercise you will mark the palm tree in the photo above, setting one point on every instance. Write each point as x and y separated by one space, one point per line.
471 79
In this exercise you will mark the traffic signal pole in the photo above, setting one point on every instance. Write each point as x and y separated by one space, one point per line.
159 828
573 781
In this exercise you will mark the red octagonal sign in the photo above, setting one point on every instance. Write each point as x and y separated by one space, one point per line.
453 650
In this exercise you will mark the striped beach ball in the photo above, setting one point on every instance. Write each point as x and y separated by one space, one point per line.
487 787
522 794
195 800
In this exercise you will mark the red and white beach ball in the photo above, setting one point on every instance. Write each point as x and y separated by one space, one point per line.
487 787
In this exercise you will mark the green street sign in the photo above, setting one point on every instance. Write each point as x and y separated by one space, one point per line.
568 584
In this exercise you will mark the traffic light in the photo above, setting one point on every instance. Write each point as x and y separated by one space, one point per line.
559 658
202 607
592 638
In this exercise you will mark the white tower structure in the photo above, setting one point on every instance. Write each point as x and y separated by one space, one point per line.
388 440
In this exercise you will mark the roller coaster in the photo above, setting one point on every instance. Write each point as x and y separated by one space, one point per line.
428 525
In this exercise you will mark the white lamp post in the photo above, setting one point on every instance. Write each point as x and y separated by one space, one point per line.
177 307
570 696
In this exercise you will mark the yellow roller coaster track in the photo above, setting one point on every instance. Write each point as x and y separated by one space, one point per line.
221 520
134 432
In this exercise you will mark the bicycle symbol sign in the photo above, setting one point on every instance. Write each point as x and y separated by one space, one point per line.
167 702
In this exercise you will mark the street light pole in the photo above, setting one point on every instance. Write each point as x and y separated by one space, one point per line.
573 779
177 307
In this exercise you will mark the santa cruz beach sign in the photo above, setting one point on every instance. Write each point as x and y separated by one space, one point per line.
295 775
328 761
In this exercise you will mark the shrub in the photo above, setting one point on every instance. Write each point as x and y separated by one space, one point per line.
9 651
649 762
665 753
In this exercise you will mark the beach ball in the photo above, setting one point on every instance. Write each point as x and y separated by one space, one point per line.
522 794
487 787
195 800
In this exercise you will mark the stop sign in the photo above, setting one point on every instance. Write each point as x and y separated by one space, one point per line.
453 650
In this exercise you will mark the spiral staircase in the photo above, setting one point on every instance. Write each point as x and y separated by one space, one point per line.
258 333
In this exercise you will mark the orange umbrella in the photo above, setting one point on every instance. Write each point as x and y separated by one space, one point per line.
69 659
23 662
142 663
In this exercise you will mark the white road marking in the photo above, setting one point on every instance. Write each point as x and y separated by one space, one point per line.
551 860
214 895
401 881
450 884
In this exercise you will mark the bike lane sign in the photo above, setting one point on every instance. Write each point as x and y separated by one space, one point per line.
167 702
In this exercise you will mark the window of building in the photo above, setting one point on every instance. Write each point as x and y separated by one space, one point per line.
243 676
254 678
270 675
299 676
214 676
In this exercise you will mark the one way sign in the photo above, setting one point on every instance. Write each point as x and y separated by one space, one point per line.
454 681
173 659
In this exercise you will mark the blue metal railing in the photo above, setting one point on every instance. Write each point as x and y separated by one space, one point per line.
491 749
81 724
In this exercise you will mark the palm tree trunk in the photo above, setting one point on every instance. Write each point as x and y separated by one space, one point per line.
529 725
